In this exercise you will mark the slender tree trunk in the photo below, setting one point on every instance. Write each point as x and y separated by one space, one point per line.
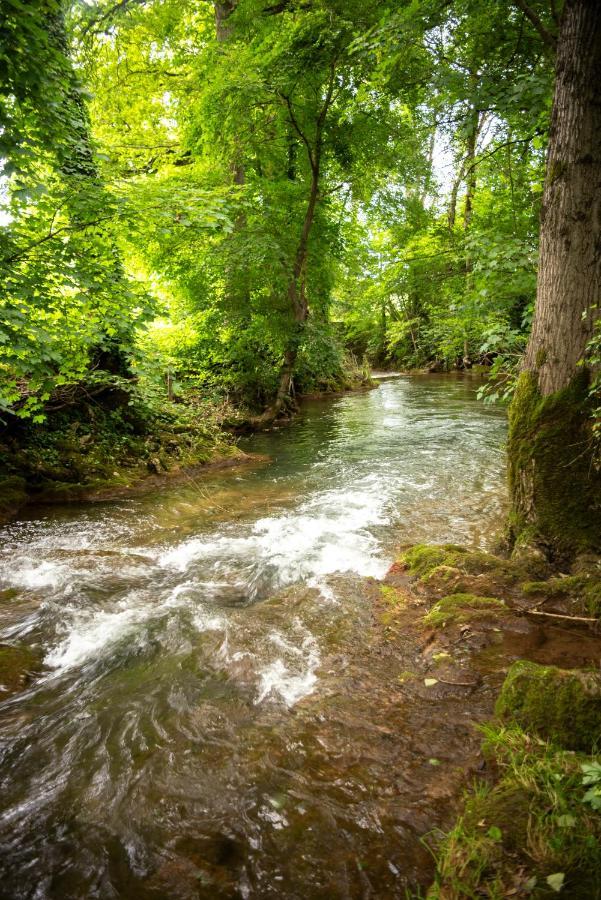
554 477
297 295
477 121
470 168
223 30
297 286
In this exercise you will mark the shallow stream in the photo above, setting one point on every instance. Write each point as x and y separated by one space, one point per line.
204 725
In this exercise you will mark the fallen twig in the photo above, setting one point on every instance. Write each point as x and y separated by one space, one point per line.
588 619
458 683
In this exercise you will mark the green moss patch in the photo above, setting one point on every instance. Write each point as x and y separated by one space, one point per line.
393 595
464 608
558 704
518 837
423 558
468 571
583 590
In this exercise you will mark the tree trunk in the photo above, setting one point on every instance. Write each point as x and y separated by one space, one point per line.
298 304
297 286
554 477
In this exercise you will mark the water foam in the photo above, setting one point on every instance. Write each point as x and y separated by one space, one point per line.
282 678
89 634
330 533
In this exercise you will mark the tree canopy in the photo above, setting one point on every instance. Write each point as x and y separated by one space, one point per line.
249 194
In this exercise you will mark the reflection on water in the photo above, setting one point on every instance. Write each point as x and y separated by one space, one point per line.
165 751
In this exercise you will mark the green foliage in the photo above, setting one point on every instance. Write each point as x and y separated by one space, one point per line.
160 176
530 831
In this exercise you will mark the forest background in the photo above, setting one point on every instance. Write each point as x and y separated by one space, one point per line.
243 201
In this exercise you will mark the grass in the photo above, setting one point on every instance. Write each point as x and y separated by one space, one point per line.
529 833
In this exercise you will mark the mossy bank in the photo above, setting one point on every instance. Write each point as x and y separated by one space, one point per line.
529 823
103 449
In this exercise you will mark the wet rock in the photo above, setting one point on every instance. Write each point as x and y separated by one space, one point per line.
561 705
154 465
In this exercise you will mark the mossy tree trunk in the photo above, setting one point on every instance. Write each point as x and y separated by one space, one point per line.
554 480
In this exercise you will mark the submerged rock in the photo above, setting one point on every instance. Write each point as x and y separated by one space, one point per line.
561 705
17 666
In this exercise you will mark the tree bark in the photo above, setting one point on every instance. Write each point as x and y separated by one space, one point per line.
554 476
569 275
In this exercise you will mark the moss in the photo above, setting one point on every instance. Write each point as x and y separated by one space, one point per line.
451 569
16 666
583 591
529 825
558 704
392 595
555 488
423 558
463 608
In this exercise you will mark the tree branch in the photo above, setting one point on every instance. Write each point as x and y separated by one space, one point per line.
549 39
298 129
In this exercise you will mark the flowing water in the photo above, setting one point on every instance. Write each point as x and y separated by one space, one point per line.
201 725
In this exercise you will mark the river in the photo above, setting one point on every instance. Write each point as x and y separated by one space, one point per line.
204 724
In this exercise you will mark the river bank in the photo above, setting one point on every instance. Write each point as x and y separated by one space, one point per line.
514 639
114 446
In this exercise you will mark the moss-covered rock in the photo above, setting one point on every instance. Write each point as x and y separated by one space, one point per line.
582 591
436 565
464 608
17 665
555 486
423 558
560 705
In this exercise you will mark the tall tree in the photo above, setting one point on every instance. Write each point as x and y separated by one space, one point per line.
555 478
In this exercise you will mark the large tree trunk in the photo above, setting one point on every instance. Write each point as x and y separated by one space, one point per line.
554 477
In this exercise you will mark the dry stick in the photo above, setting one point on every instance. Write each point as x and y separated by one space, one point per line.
536 612
459 683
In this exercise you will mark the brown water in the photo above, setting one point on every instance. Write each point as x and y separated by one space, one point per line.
213 718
